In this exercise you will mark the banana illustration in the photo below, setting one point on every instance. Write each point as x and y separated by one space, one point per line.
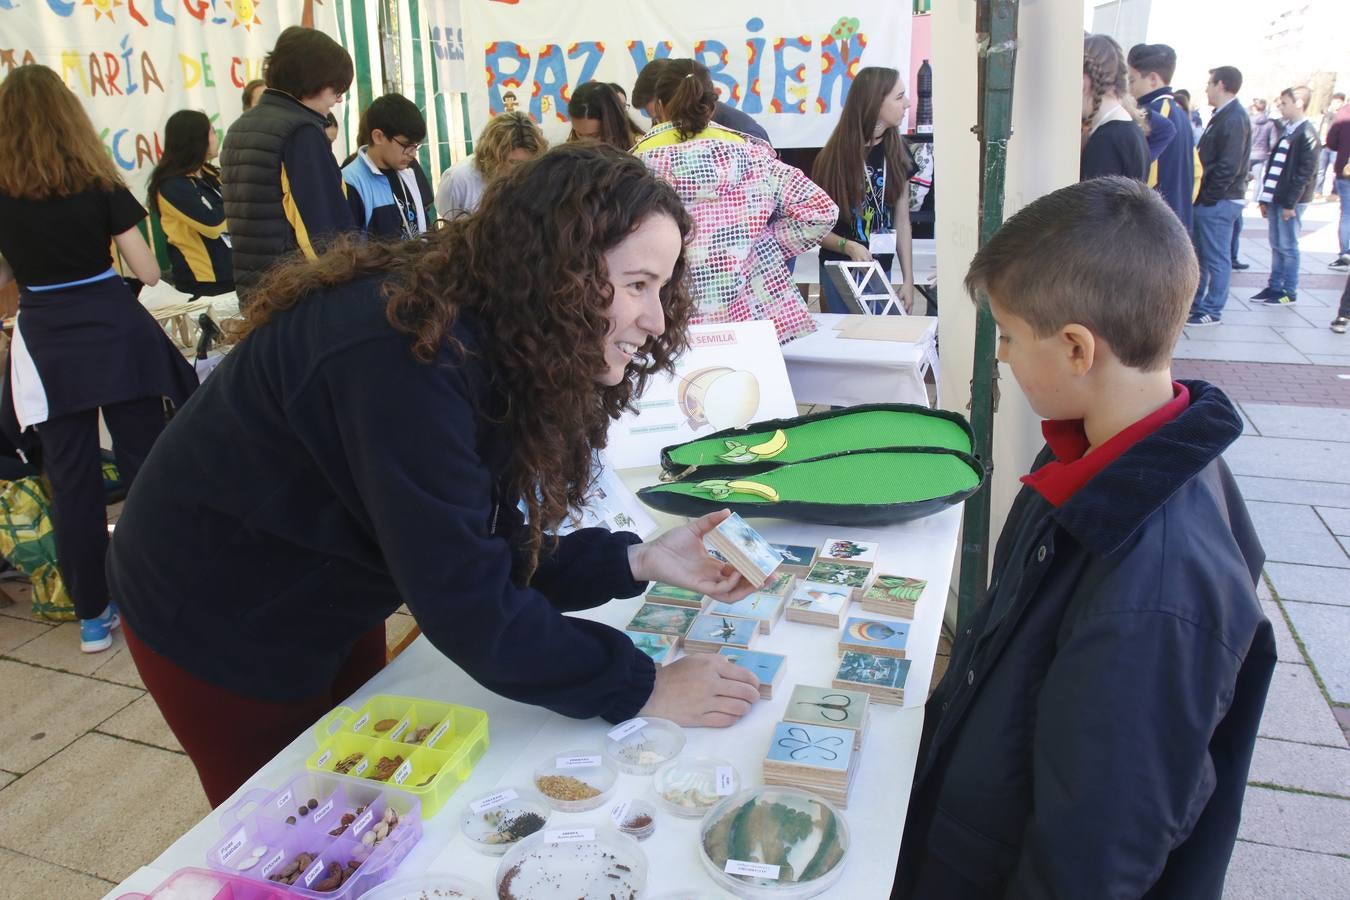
772 447
720 490
740 453
754 487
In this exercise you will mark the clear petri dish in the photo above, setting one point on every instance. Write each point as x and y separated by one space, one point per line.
576 780
430 885
586 861
635 818
641 746
797 844
494 822
690 787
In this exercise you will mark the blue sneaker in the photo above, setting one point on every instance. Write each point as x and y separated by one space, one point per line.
96 633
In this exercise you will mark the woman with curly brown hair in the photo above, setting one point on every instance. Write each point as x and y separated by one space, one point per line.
505 142
371 442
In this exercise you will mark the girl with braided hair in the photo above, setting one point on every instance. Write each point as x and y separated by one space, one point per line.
1114 136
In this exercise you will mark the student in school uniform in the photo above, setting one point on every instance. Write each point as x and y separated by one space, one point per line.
1114 141
282 187
82 344
389 194
184 192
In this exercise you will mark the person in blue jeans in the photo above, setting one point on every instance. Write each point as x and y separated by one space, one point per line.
1285 193
1225 151
1338 141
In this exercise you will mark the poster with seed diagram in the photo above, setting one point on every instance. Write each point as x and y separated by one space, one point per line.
819 746
873 670
663 619
826 706
839 573
764 665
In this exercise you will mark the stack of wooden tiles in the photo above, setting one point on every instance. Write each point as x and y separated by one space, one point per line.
817 746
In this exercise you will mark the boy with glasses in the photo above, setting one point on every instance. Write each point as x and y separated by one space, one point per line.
389 194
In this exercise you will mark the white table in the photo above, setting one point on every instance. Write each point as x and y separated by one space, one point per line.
521 735
825 368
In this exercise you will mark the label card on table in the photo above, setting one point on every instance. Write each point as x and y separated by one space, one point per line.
751 869
576 762
569 836
491 801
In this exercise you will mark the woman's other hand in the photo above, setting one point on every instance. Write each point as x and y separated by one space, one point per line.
702 689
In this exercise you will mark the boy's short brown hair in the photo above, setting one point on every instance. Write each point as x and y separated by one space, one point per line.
304 61
1107 254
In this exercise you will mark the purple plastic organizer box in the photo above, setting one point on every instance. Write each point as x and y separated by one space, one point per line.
265 833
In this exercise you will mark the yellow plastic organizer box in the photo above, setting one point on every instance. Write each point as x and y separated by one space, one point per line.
422 747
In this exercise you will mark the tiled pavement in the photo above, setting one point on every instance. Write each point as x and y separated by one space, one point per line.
94 785
1290 376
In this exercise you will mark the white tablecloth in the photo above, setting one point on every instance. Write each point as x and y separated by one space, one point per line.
825 368
521 736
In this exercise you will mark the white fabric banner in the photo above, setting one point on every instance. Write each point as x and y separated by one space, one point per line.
788 63
135 62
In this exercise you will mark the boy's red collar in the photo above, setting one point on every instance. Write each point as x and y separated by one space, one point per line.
1062 477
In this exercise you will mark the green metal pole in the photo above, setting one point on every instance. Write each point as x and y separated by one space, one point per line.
996 23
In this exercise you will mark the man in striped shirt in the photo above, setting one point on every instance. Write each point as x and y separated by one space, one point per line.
1286 191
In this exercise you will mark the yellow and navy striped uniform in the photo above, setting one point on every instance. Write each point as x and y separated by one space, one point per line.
193 218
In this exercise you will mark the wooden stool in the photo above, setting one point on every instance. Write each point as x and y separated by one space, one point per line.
180 321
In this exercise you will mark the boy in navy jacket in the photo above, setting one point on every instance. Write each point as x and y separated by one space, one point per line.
1172 172
1093 733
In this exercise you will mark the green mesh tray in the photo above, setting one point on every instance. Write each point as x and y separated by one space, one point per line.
822 434
876 486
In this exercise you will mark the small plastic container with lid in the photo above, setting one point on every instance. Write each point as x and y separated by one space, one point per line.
641 746
576 780
635 818
494 823
691 787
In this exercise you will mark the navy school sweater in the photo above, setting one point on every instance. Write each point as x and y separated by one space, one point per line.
1172 173
322 476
